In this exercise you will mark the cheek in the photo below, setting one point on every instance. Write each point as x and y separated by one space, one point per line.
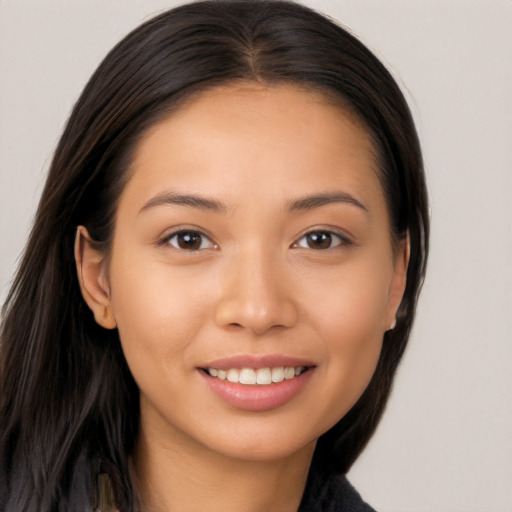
353 340
158 310
348 315
350 305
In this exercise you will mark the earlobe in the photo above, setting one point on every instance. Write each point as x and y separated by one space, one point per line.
94 285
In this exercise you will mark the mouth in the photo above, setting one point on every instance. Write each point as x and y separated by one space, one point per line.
256 376
257 383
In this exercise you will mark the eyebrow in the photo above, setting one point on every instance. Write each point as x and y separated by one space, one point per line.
191 200
317 200
205 203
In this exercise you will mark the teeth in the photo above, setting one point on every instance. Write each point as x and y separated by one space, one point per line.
247 376
289 372
261 376
232 375
278 374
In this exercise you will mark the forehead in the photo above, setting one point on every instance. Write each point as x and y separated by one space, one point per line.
281 140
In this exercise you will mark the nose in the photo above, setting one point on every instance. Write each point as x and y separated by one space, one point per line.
256 295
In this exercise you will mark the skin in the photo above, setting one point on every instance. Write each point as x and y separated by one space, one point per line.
255 284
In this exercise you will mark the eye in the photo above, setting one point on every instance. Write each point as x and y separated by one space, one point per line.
190 240
320 240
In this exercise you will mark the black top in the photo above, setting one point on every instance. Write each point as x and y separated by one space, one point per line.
334 495
330 494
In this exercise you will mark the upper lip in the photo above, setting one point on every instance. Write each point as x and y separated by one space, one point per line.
257 361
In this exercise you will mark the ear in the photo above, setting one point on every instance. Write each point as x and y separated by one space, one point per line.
92 276
398 281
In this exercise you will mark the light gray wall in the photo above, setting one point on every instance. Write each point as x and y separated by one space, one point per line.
445 443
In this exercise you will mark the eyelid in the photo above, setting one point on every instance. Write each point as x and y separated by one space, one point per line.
343 238
166 238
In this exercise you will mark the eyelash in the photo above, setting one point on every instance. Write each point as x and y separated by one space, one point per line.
188 233
326 237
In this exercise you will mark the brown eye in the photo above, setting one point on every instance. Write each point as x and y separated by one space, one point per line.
189 240
319 240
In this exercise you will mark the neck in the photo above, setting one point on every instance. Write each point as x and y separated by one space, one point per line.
182 476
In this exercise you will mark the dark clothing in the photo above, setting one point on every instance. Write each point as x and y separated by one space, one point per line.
335 495
322 494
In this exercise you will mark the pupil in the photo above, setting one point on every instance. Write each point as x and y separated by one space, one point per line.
188 240
319 240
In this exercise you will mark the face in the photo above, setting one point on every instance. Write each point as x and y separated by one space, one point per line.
252 273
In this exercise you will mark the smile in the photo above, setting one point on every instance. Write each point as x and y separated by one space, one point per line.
260 376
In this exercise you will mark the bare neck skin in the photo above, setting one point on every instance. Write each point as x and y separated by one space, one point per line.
182 476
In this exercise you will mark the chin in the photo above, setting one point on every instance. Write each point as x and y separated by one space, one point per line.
264 450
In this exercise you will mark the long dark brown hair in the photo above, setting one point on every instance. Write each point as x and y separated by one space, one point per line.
69 407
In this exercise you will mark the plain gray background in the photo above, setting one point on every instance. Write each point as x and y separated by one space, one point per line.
445 443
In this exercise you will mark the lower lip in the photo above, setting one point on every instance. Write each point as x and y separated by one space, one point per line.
257 397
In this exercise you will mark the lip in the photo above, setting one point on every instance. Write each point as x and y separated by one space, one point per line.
257 361
257 398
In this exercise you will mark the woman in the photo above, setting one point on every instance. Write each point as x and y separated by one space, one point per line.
222 274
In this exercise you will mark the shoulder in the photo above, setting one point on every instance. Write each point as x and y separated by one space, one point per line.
335 494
